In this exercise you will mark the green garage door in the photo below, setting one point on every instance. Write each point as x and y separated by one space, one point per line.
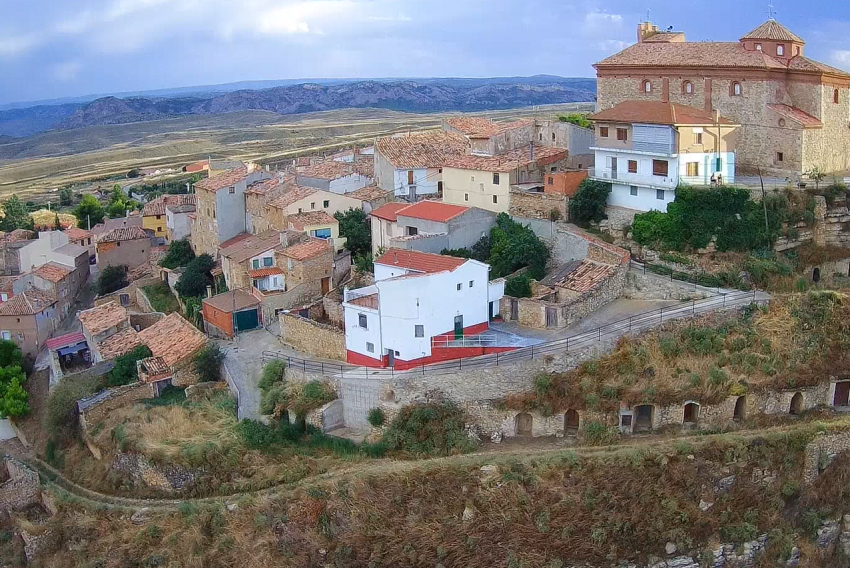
248 319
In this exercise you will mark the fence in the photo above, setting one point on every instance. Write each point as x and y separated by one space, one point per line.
703 279
615 329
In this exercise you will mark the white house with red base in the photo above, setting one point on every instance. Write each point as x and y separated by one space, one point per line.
422 308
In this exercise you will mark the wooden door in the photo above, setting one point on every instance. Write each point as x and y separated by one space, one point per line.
571 422
326 285
551 317
613 168
514 309
523 424
842 393
409 177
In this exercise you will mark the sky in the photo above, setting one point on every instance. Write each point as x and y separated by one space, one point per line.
59 48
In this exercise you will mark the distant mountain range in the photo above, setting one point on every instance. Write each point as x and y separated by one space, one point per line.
419 95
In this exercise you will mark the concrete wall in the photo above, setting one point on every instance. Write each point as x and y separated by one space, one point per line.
475 188
41 250
462 231
178 225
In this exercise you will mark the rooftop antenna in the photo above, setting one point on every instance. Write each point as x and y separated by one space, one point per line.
648 14
771 12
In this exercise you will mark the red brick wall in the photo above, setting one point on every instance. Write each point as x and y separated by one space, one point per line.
218 318
563 183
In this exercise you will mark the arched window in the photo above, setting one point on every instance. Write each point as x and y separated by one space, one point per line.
737 90
797 50
835 96
688 88
646 86
780 50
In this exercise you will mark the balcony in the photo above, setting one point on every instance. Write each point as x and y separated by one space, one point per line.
617 176
665 149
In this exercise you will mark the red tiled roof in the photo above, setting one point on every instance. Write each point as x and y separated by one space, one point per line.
21 235
310 219
797 115
800 63
251 245
481 127
198 166
263 272
296 193
370 301
656 112
419 261
264 187
122 342
666 37
365 166
65 340
509 161
691 54
587 276
53 271
368 193
421 150
433 211
309 249
233 240
389 211
27 303
123 234
173 338
773 30
158 205
225 179
102 317
77 234
328 170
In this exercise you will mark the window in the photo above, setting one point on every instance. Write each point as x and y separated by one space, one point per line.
268 261
659 168
758 47
256 263
389 229
553 137
466 197
780 157
550 180
495 179
289 264
459 285
118 243
603 132
622 134
158 217
231 189
688 88
698 138
300 210
632 190
553 169
321 233
6 335
781 122
737 90
362 321
419 331
159 229
471 178
692 168
659 194
646 86
471 282
3 297
370 347
780 50
412 231
326 204
632 166
495 199
312 205
797 50
835 96
541 137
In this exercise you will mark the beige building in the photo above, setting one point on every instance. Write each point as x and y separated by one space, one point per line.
320 225
130 247
299 199
485 181
793 111
29 319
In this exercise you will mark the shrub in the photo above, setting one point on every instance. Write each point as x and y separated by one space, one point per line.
125 371
196 277
376 417
588 204
429 430
518 286
180 253
555 215
59 415
574 118
273 372
112 278
355 231
310 396
598 434
513 246
207 362
273 397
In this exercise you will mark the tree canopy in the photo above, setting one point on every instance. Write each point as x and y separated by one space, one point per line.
588 204
112 278
89 210
66 196
196 277
13 397
514 246
352 226
179 253
15 215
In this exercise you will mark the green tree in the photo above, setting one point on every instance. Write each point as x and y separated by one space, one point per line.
192 312
66 196
116 209
112 278
364 263
125 371
207 362
10 354
89 209
514 246
14 401
518 286
15 215
352 226
588 204
577 119
134 173
196 277
179 253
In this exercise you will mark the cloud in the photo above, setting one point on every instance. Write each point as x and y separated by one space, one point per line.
841 57
613 45
11 46
603 19
67 71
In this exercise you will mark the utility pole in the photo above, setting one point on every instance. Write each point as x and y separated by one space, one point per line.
764 205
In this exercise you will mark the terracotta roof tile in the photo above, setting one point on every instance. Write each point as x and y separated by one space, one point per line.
369 193
173 338
666 37
797 115
120 343
21 235
419 261
421 150
656 112
772 29
433 211
233 240
365 166
309 219
153 369
309 249
481 127
264 187
518 158
232 301
295 193
328 170
800 63
53 271
100 318
225 179
27 303
587 276
197 166
251 245
691 54
123 234
263 272
77 234
389 211
370 301
158 205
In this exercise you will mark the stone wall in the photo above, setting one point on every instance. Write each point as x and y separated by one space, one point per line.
110 399
821 451
538 205
318 339
22 488
145 320
649 286
133 291
334 311
328 417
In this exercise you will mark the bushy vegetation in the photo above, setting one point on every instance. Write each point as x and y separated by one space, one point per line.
429 430
793 343
309 396
179 253
59 415
112 279
273 394
13 397
588 204
376 417
125 371
161 298
89 212
196 277
518 286
353 228
207 362
575 118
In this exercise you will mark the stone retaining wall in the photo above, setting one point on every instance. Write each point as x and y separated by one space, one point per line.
538 205
112 399
821 451
318 339
650 286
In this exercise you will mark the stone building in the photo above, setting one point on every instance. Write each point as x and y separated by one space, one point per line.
793 111
128 246
29 319
154 215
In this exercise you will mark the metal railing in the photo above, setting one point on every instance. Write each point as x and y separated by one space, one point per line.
632 324
480 340
608 174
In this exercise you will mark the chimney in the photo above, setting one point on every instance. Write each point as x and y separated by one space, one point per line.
646 30
284 239
209 291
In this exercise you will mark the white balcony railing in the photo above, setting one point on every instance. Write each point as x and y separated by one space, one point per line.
607 174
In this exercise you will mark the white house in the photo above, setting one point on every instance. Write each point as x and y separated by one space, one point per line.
412 165
332 176
422 308
645 149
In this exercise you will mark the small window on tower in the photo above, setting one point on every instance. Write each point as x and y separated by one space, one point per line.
780 50
780 157
688 88
647 86
835 96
